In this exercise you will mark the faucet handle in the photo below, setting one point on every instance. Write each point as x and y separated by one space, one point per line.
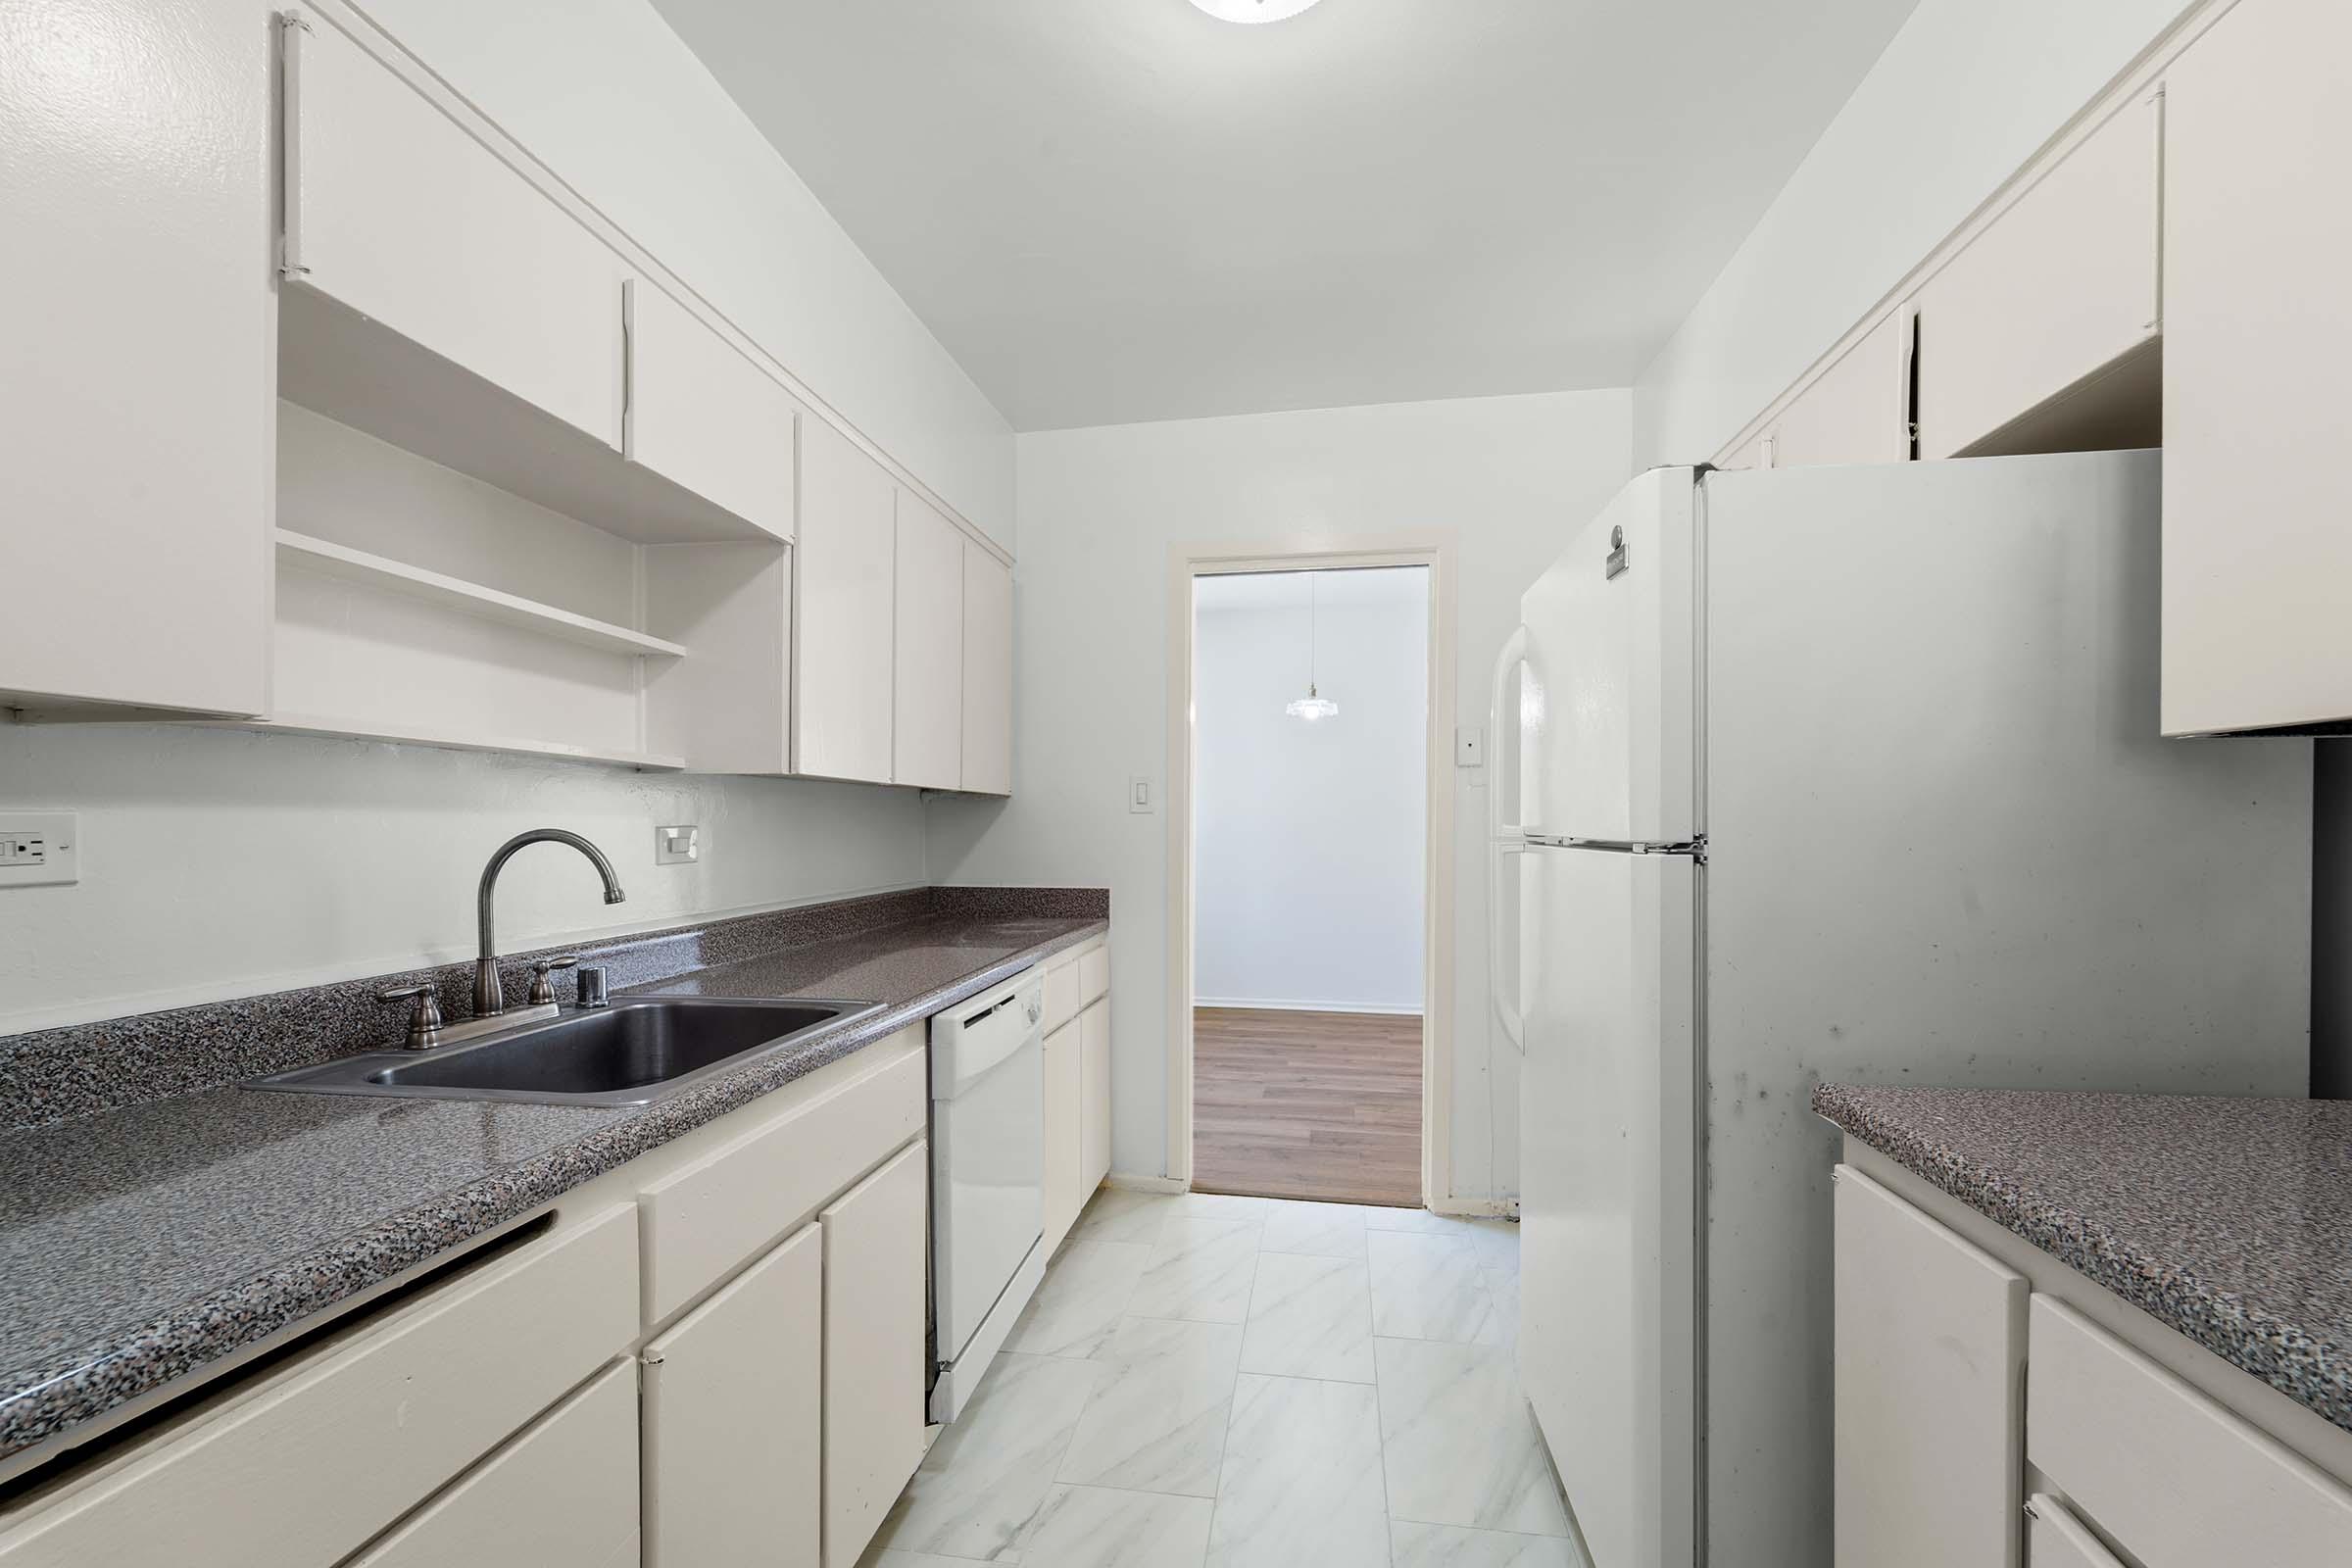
424 1019
543 991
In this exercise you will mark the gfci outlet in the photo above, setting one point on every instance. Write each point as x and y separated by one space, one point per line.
677 846
39 849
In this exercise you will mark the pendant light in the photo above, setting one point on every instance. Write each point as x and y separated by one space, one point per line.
1314 705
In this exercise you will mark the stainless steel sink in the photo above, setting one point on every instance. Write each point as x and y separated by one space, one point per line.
630 1053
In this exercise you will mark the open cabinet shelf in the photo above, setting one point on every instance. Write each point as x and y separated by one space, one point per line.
364 729
332 560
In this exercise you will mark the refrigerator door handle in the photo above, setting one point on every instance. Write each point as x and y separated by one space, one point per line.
1514 653
1502 839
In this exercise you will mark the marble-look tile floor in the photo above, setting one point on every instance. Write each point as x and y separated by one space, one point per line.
1214 1382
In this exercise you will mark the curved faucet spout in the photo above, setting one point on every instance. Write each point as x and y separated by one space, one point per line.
488 996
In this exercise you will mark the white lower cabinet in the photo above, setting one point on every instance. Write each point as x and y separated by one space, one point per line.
1094 1098
1065 1136
731 1419
1961 1373
563 1492
876 1265
1931 1345
2165 1472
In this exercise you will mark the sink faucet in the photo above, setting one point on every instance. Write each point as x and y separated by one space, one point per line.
488 999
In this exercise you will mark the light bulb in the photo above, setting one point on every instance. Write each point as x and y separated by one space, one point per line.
1253 10
1312 707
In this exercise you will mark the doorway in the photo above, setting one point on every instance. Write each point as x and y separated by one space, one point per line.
1309 812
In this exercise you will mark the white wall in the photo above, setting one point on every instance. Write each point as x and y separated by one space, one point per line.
222 863
1505 477
1309 839
1966 93
605 94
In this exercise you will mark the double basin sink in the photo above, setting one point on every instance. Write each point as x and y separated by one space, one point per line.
631 1053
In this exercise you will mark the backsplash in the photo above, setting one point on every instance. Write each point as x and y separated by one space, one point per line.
54 1075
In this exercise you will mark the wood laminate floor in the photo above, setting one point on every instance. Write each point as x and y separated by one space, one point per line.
1307 1104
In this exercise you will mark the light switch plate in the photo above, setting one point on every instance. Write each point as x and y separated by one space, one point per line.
39 849
677 846
1139 794
1470 747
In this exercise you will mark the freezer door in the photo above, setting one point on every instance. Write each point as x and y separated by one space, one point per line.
1606 697
1608 1185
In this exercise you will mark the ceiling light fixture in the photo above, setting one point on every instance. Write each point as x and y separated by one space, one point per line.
1253 10
1314 704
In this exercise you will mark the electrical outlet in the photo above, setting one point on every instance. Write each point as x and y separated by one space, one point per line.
39 849
677 846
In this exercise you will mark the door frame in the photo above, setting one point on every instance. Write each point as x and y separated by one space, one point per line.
1188 562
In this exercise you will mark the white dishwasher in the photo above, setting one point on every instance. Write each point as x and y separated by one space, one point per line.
988 1177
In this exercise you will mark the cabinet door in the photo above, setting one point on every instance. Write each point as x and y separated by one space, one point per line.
136 398
731 1419
1930 1354
1856 411
704 416
1094 1077
2054 291
843 567
1065 1135
987 672
2257 503
876 1273
393 210
928 733
563 1492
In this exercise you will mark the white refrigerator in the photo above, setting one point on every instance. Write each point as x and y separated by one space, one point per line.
1837 774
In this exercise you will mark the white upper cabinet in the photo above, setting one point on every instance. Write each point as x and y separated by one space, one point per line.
843 567
705 416
987 672
1855 411
395 211
135 398
2053 293
2258 244
927 734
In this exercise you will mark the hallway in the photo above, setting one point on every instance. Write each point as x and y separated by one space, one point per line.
1307 1104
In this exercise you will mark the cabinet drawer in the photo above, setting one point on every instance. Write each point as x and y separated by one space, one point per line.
1094 973
2056 1539
354 1434
2174 1478
703 1222
1061 991
564 1491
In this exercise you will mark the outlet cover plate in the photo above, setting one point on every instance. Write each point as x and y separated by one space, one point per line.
39 849
677 846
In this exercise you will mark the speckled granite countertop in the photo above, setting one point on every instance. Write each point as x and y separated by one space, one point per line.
2230 1220
143 1243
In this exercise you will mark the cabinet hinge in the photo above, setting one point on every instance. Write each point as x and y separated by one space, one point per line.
651 1358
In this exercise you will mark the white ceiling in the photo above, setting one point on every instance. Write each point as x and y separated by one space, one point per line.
1126 210
1332 589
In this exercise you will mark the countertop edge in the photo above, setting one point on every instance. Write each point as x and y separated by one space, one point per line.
54 1413
2258 1343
